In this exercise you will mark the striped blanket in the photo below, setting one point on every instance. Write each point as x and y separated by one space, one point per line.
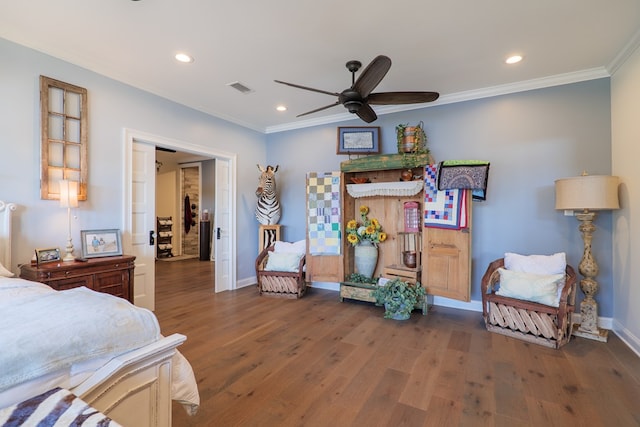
55 408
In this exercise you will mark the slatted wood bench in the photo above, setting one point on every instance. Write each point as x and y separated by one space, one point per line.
529 321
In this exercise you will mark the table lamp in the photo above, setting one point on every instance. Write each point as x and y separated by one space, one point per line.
68 199
588 193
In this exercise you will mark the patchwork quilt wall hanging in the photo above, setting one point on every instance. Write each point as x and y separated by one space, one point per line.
443 208
323 213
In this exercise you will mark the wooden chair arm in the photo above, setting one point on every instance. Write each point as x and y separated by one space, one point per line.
491 276
261 257
301 264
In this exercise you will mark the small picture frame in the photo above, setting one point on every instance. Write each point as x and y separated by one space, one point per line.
101 243
47 255
358 140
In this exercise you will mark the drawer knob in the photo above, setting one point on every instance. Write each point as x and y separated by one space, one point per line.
117 265
66 273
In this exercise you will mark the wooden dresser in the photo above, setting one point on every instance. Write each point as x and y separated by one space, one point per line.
112 275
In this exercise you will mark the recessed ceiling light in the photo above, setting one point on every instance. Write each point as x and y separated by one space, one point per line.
183 57
513 59
281 108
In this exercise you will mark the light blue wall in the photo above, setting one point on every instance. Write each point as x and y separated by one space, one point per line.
113 106
530 138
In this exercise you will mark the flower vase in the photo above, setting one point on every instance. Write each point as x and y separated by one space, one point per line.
366 258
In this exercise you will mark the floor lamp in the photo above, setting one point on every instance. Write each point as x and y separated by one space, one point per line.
588 193
68 199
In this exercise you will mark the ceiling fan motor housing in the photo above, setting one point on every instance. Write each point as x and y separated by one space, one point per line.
351 100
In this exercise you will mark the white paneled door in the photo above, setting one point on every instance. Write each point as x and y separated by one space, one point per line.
222 228
143 204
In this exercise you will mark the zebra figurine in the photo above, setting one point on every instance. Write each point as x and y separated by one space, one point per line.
268 207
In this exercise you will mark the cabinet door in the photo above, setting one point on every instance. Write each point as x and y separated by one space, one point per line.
446 261
113 282
325 268
325 193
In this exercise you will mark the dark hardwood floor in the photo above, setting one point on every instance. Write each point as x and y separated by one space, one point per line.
263 361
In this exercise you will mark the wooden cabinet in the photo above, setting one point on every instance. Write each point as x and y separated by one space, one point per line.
446 253
112 275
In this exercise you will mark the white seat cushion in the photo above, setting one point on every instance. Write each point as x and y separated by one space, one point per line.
536 264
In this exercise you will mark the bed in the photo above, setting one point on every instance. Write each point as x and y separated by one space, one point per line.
115 359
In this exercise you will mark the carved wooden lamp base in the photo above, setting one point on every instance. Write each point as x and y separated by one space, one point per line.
588 326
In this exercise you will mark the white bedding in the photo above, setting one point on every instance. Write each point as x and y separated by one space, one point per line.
38 349
35 345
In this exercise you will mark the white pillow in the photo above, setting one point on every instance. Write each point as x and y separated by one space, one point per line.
4 272
541 288
283 261
536 264
298 247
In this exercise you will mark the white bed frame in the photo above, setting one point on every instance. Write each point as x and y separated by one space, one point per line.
133 389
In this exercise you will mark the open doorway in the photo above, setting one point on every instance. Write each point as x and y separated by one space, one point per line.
139 210
185 206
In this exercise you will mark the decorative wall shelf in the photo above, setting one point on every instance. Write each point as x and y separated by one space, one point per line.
385 162
400 188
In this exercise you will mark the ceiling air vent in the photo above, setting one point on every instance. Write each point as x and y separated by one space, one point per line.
240 87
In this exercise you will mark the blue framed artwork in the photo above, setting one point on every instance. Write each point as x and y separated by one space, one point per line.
358 140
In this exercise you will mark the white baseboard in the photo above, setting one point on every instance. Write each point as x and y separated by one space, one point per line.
330 286
603 322
246 282
452 303
632 341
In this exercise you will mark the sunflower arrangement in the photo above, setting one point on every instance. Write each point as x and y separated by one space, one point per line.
365 229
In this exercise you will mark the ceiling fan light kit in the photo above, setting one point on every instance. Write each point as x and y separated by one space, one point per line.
358 98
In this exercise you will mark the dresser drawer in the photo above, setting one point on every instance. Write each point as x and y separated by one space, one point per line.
71 282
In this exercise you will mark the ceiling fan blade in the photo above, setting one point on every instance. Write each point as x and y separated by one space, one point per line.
392 98
307 88
366 113
319 109
372 75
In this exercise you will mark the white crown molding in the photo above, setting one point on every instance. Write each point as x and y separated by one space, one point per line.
556 80
625 53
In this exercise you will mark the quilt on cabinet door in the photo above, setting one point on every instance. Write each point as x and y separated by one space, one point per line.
442 208
323 213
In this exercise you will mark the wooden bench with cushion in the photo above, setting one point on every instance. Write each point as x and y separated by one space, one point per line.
280 270
527 320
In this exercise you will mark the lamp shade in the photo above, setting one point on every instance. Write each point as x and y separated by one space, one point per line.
591 192
68 194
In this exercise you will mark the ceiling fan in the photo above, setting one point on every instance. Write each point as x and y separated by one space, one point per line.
358 97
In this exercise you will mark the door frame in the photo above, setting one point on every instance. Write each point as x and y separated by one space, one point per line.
131 136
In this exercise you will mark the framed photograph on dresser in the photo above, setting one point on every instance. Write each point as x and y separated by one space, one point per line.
47 255
101 243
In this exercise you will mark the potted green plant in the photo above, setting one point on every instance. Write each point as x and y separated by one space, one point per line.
399 298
